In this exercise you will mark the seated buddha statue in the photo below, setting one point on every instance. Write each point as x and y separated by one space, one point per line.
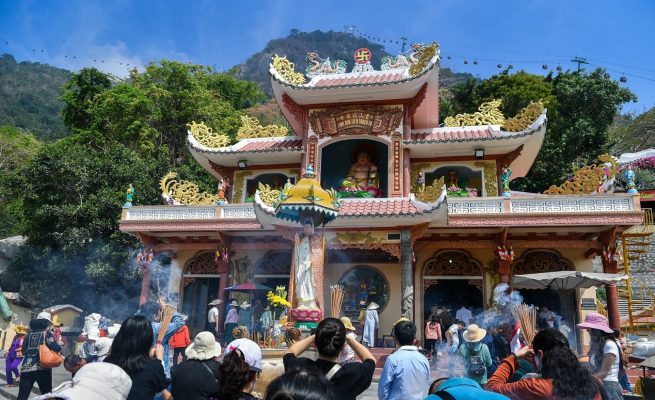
362 177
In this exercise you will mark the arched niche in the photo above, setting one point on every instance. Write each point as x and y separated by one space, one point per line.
463 176
541 260
275 180
202 263
338 156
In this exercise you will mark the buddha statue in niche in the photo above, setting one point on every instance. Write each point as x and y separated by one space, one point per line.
362 179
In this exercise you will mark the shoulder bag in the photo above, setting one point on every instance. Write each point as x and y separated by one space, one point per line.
47 357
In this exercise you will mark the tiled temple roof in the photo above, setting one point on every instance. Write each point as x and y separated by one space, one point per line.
377 207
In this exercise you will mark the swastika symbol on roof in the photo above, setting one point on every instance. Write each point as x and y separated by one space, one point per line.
363 55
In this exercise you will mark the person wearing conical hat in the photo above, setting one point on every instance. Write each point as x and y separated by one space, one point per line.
371 323
231 321
245 315
15 354
476 354
212 316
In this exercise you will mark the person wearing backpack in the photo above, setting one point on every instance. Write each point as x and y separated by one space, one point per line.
349 380
32 370
476 354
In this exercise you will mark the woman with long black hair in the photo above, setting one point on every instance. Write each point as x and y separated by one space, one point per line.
132 350
562 376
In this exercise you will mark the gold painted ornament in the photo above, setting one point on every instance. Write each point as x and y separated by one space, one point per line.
488 114
206 136
286 70
176 191
250 128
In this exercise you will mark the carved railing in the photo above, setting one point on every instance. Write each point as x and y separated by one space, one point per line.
158 213
540 205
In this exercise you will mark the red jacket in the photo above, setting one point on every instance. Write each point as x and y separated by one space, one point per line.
525 389
180 338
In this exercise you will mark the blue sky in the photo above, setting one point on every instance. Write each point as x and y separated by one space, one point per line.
617 35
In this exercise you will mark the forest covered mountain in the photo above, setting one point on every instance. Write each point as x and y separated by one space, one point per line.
335 45
29 97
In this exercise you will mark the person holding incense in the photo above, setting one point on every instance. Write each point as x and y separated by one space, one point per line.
561 375
153 311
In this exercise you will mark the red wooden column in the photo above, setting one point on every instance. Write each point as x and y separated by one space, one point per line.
612 293
145 284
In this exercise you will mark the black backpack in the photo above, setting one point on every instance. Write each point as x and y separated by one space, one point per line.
476 367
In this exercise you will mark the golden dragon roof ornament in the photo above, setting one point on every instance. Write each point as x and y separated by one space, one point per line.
206 136
588 180
176 192
431 193
524 118
250 128
426 54
286 70
488 114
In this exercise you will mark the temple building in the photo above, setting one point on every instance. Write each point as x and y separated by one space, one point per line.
425 215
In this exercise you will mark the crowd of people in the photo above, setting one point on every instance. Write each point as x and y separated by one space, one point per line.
134 365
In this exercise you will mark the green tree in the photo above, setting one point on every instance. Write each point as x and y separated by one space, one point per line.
17 148
581 107
79 94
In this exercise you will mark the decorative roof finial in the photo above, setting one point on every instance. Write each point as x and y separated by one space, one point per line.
309 172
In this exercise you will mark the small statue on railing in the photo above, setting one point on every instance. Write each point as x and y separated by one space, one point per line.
506 174
222 188
629 175
129 196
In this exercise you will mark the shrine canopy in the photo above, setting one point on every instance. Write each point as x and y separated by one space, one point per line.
564 280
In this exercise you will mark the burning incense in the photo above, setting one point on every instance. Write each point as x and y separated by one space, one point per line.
336 297
166 317
526 316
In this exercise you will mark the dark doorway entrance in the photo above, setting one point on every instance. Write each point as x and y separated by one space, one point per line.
453 293
197 294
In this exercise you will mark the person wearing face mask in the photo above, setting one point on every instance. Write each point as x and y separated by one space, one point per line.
561 375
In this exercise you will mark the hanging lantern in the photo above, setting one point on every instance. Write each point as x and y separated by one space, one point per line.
466 62
475 62
623 79
510 66
559 68
499 65
449 57
544 66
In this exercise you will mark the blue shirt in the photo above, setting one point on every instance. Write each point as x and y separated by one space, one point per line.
466 389
405 376
175 324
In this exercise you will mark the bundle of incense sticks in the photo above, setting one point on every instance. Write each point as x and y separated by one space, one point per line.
166 317
336 297
526 316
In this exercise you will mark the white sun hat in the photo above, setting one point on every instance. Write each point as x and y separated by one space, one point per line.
204 347
98 380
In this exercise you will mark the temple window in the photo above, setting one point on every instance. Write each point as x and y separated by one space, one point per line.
460 180
362 285
356 168
275 180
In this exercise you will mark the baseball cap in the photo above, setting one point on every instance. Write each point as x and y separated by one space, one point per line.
251 352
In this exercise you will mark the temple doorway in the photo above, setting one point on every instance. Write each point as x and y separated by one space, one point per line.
200 284
273 270
452 278
561 302
343 158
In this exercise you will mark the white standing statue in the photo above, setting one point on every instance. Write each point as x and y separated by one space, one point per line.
303 269
371 322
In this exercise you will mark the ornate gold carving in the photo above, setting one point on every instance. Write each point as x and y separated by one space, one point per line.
537 261
355 237
239 183
490 178
452 263
202 263
424 58
589 179
524 118
356 120
286 70
269 196
206 136
432 192
250 128
184 192
488 114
